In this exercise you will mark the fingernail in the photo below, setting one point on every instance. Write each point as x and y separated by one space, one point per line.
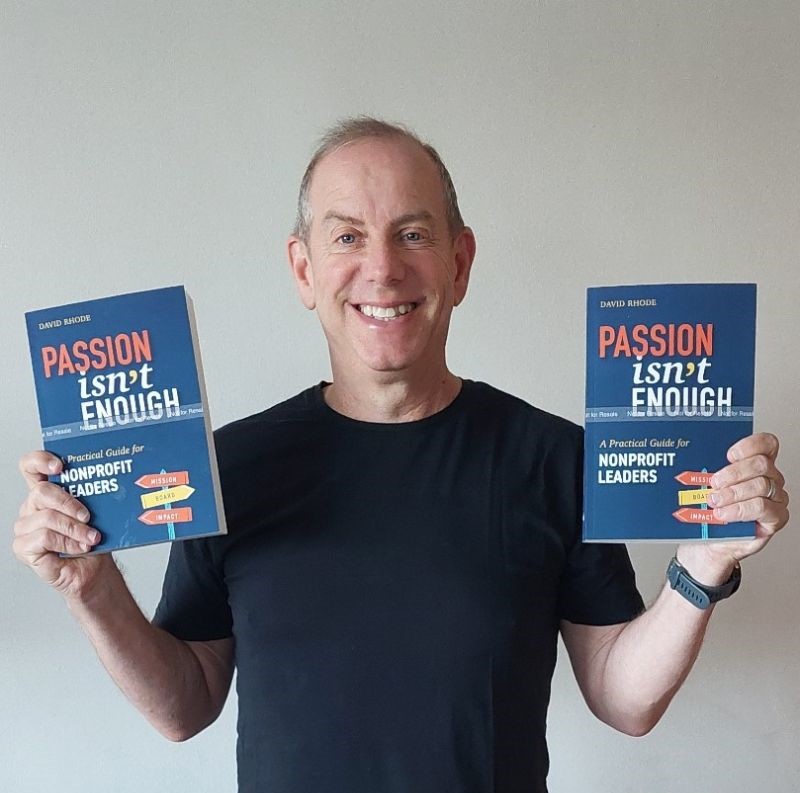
84 547
93 536
52 465
713 499
83 514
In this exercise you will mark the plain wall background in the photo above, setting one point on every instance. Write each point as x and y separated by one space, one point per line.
147 144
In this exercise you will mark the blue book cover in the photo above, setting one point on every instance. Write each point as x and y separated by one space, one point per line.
122 402
669 388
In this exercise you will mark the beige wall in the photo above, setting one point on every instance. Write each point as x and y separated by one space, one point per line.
592 142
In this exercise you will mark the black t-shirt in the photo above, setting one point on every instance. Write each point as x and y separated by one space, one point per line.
395 592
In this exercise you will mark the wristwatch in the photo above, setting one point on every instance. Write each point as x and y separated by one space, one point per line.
698 594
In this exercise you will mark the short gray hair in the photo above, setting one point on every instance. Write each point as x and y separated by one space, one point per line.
359 128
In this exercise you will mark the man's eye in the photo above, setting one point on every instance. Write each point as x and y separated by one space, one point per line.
346 239
412 236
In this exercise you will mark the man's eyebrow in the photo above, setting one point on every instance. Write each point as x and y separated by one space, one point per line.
408 217
353 221
413 217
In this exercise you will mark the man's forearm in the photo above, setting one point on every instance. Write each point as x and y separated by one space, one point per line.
650 659
630 673
161 675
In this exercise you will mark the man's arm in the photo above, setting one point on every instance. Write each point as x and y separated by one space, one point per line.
180 687
629 673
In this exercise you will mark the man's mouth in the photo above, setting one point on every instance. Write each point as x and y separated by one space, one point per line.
385 313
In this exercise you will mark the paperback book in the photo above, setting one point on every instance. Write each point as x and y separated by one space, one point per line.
122 402
669 388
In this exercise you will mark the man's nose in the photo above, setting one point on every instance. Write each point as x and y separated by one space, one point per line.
383 264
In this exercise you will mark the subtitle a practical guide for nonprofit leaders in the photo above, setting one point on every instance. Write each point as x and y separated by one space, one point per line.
122 402
669 388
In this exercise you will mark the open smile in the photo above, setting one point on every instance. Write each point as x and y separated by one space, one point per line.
386 313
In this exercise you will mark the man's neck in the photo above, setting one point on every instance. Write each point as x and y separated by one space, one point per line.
392 400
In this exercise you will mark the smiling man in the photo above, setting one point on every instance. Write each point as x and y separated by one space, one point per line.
384 261
404 545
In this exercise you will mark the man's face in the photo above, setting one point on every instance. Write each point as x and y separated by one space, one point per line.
380 266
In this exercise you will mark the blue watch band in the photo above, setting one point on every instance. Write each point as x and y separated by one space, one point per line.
698 594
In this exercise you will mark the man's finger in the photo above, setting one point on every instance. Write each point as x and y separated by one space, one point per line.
759 465
36 466
759 443
59 523
758 487
31 547
46 495
772 515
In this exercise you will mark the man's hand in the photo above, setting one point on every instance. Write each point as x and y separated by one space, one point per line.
179 686
51 522
629 673
750 488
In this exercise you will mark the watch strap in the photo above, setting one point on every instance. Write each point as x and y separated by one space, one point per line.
701 595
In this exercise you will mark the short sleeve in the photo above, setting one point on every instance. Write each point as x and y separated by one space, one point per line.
194 598
598 583
599 586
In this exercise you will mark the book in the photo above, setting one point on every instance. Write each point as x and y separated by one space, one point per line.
122 402
669 388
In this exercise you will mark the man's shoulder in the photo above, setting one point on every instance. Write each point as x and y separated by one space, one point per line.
512 408
288 419
300 407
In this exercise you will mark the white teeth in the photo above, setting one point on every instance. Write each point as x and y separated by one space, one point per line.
386 313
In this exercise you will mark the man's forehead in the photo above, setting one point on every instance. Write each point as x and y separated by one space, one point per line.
379 169
381 158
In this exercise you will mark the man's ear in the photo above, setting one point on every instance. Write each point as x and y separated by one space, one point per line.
464 252
300 262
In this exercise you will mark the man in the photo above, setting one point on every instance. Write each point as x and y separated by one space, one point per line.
392 588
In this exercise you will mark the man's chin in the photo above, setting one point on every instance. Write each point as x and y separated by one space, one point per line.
386 361
389 368
392 367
